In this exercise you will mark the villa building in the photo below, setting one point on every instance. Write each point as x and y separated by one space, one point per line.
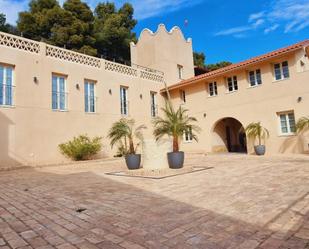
49 95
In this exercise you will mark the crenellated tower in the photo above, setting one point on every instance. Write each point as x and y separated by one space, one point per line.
165 51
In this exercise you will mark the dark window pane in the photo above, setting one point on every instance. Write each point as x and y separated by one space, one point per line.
252 78
258 76
285 69
277 72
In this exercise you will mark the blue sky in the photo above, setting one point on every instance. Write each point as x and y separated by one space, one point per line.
223 30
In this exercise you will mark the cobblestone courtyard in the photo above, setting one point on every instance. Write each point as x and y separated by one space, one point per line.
240 202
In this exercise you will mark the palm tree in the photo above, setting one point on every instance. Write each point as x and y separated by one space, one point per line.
256 130
174 124
302 124
124 131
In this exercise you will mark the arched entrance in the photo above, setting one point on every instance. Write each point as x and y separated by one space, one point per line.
229 136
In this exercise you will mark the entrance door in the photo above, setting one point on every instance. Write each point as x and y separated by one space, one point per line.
228 138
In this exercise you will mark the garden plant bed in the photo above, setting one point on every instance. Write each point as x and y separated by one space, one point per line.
159 173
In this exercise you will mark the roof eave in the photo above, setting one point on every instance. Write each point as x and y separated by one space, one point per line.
189 82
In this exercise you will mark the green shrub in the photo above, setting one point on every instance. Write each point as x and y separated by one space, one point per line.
81 147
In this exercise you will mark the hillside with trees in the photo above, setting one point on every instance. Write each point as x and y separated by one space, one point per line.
199 61
105 32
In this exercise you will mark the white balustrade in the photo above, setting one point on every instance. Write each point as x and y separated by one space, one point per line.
20 43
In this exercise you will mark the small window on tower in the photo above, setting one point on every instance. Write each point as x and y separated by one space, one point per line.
180 71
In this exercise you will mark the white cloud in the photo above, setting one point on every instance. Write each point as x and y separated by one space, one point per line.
233 31
238 32
256 16
271 28
292 15
149 8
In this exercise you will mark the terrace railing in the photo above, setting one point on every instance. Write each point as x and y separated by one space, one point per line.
44 49
68 55
19 43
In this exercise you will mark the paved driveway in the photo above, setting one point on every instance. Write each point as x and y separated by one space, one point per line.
241 202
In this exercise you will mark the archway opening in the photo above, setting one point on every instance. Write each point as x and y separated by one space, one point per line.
229 136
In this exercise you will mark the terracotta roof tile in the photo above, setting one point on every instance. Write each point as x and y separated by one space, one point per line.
239 65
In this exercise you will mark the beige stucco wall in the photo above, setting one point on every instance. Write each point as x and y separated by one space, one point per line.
31 131
163 51
250 104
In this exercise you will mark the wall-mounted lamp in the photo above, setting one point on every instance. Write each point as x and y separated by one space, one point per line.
77 86
299 99
35 80
141 96
110 91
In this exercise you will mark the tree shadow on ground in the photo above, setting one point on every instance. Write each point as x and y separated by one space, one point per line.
120 215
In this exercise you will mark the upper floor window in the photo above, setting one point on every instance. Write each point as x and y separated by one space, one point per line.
124 103
232 84
153 104
255 77
187 136
183 96
6 85
287 123
212 89
59 94
281 70
90 98
180 71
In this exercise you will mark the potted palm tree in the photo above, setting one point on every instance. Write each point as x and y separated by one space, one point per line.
174 124
124 131
257 131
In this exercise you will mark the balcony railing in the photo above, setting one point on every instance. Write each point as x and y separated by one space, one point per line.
43 49
154 110
91 104
60 101
7 95
124 108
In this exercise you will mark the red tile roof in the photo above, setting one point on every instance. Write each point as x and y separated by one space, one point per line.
239 65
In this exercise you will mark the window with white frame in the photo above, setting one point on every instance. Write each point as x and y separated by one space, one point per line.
90 98
180 71
255 77
281 70
153 104
287 123
183 96
212 89
187 135
124 103
232 84
6 85
59 94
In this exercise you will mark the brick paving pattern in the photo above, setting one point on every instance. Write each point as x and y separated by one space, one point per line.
242 202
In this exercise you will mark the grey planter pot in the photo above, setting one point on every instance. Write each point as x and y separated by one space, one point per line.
260 150
133 161
175 159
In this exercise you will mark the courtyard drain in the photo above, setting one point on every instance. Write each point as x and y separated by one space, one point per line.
80 210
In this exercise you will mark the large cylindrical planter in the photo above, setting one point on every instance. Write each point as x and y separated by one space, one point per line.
133 161
154 154
259 150
176 159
